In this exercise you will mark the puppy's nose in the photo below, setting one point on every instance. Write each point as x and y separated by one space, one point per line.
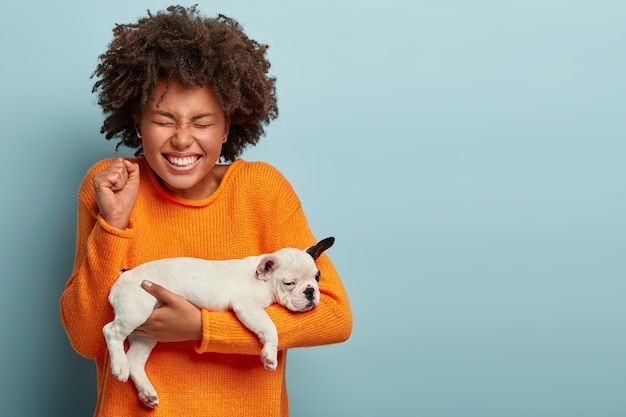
309 292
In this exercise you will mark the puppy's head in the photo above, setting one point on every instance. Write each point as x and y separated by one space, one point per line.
292 275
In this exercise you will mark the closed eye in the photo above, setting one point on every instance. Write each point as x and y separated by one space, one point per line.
289 284
163 124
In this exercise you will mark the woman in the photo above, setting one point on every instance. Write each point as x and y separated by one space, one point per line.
188 92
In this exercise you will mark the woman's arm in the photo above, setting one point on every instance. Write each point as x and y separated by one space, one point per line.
329 322
100 254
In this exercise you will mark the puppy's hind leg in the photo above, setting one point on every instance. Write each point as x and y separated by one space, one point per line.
138 353
131 310
114 335
116 332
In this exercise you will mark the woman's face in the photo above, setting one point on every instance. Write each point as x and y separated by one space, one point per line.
182 133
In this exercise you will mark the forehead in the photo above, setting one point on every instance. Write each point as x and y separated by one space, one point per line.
297 259
174 97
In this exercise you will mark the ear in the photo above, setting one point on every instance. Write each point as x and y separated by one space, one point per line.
320 247
267 265
138 130
137 120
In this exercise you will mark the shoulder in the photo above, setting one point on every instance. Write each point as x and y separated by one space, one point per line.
262 182
264 169
257 174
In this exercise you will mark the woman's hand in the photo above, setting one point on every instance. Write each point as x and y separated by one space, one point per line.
116 189
177 320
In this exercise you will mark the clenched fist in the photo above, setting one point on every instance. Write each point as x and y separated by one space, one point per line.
116 189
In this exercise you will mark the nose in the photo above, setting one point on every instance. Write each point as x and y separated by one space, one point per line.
309 292
183 137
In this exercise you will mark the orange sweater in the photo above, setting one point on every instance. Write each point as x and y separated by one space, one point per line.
254 211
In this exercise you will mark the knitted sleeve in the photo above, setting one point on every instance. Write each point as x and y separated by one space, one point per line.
330 322
100 249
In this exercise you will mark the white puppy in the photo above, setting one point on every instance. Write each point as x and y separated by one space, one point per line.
246 286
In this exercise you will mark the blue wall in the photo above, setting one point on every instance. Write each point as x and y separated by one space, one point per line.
468 156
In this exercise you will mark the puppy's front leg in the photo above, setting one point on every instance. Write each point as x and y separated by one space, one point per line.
257 320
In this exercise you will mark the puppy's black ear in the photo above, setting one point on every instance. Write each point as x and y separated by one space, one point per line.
267 264
320 247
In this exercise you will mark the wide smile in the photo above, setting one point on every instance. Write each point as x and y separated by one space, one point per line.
182 162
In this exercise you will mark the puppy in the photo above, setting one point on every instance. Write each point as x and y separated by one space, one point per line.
246 286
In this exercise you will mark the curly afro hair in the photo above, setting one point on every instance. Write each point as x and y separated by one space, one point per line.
181 44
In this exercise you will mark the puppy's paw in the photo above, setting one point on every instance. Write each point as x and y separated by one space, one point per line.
120 372
270 365
270 361
149 399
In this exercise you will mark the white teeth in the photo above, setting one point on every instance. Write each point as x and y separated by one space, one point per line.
182 162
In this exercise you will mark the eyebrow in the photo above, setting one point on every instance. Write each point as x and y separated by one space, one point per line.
193 118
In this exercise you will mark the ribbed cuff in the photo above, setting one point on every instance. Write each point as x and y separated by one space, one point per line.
203 345
128 232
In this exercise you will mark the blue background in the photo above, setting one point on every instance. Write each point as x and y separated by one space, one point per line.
468 156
